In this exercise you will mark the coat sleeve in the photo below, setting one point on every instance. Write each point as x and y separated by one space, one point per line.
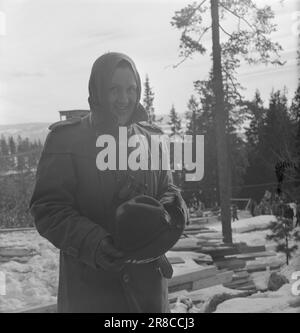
53 206
170 196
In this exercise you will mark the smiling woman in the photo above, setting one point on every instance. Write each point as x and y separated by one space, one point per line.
123 92
75 205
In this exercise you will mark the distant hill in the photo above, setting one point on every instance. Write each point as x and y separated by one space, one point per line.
32 131
36 131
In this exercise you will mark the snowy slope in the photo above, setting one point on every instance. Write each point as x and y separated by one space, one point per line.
33 282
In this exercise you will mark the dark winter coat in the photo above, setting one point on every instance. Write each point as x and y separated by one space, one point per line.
73 208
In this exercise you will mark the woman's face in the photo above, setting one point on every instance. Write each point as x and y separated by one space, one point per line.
122 94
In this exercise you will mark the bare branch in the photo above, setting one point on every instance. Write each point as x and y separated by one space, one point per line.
225 31
203 33
182 61
238 16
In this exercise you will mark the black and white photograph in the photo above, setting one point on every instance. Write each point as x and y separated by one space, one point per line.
150 159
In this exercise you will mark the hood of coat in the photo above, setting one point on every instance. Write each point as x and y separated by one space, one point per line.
100 79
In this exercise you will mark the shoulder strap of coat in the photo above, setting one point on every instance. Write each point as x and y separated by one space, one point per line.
64 123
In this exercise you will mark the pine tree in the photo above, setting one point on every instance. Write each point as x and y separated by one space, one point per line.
12 151
192 189
12 145
250 41
295 107
256 115
255 174
4 152
174 122
278 145
35 150
23 147
148 100
295 117
205 125
277 132
282 232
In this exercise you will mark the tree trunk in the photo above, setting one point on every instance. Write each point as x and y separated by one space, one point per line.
220 125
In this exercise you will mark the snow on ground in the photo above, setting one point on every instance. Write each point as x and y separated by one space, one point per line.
34 282
253 231
247 225
270 302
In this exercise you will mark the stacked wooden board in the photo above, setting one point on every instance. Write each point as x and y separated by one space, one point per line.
189 275
21 255
239 259
194 270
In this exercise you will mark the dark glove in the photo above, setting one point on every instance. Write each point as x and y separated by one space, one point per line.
108 257
176 208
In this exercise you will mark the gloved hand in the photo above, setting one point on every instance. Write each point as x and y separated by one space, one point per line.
176 208
108 257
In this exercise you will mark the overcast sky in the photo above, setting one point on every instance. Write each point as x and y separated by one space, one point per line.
48 47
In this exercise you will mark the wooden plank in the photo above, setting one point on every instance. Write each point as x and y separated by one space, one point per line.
207 244
190 275
210 246
257 254
48 308
253 256
21 260
182 286
213 281
252 249
180 248
191 232
230 264
214 236
192 227
259 267
176 260
240 275
210 241
208 231
219 251
7 230
186 255
186 244
15 252
201 261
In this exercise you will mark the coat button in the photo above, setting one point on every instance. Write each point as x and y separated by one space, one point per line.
126 278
